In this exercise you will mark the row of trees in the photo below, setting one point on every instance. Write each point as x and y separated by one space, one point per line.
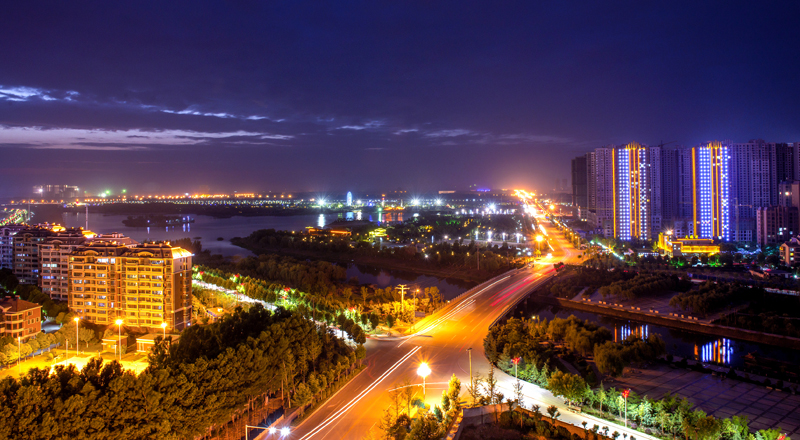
9 285
445 254
644 284
711 297
588 278
193 387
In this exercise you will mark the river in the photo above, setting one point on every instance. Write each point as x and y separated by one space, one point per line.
705 348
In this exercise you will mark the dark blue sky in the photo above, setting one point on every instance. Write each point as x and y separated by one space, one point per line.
274 95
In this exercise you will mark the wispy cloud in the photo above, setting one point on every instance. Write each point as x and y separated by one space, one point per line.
366 126
450 133
117 140
22 93
406 130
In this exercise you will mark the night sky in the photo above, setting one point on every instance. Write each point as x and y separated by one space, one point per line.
174 96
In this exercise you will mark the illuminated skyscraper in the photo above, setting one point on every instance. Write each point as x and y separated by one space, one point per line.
637 191
711 188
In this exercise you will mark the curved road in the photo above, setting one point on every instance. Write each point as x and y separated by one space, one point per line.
442 342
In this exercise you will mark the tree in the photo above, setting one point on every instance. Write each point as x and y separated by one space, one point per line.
552 410
425 427
302 396
453 391
571 386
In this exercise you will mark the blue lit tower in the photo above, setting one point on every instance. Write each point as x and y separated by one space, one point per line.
637 191
711 188
349 198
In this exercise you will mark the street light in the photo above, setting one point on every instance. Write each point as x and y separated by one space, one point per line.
516 362
625 394
164 327
77 339
19 354
424 370
119 337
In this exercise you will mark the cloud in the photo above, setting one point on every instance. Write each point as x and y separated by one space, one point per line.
117 140
22 93
406 130
450 133
367 126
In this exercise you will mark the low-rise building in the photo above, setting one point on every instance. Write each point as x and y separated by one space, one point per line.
19 318
790 252
688 246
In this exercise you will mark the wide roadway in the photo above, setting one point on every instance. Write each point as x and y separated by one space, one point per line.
442 341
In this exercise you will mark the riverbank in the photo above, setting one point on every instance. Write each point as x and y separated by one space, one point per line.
681 322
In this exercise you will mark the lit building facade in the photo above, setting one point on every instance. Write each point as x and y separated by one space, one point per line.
26 253
54 262
144 285
637 191
711 181
7 234
19 318
776 224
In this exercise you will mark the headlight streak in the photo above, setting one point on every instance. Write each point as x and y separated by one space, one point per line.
333 417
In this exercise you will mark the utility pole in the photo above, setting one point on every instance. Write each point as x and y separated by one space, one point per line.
402 288
87 216
471 382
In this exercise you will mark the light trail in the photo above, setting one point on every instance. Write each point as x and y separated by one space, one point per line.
465 303
333 417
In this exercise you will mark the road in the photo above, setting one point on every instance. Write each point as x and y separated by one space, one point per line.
442 342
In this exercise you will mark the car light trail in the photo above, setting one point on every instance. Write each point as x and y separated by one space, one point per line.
333 417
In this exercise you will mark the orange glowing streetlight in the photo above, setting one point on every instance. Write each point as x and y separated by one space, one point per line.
424 370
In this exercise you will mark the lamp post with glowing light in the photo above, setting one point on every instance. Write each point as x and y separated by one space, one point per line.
625 394
19 354
516 362
539 239
164 328
77 339
424 370
119 337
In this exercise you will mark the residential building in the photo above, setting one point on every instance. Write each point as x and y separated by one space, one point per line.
637 191
711 190
145 284
26 252
602 219
54 262
776 224
579 187
790 252
7 234
19 318
789 193
676 190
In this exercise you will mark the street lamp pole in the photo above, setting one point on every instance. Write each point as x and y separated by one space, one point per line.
77 338
424 370
164 327
19 354
471 382
119 337
625 394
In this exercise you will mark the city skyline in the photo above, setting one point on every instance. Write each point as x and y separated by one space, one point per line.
363 96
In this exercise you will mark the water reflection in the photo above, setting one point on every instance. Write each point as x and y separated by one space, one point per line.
718 352
321 221
625 331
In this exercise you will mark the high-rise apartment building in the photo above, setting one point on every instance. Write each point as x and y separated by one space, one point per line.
54 262
637 191
579 187
676 191
7 234
144 285
776 224
789 194
26 253
711 178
